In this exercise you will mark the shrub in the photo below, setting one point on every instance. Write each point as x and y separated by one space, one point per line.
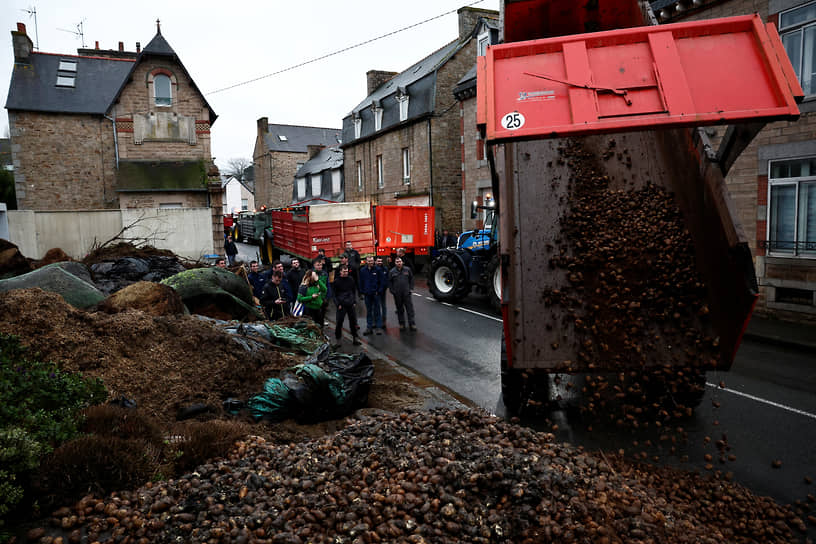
40 408
204 441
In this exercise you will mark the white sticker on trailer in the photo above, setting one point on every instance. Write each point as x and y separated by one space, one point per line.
512 121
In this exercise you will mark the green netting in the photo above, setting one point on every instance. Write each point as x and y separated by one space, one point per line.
299 336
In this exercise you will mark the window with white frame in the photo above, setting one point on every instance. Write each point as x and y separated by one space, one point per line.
797 28
378 112
301 188
792 207
406 165
317 184
244 204
482 41
358 125
380 177
402 100
359 176
336 177
162 90
66 73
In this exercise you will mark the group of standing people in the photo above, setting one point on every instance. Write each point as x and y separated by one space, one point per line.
285 293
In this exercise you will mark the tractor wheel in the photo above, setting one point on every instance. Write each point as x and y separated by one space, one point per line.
495 286
267 249
447 279
511 384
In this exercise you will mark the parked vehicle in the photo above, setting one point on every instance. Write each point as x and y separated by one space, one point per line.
472 264
303 230
618 245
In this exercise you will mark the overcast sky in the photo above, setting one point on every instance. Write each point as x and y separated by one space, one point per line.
226 43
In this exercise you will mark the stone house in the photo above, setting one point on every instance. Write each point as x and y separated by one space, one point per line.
320 177
773 182
109 129
476 183
280 150
402 142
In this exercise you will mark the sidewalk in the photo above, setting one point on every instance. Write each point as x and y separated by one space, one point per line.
783 333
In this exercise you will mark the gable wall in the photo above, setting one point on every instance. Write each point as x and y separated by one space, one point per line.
137 97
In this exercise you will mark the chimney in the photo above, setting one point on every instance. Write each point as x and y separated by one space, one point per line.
263 125
375 78
314 150
22 44
97 44
138 47
121 46
469 18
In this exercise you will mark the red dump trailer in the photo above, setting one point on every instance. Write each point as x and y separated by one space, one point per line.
620 251
303 230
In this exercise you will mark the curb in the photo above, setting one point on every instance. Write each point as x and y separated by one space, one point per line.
779 341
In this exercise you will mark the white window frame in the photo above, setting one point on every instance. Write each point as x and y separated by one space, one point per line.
66 80
336 181
378 114
406 166
797 182
244 204
790 32
402 100
317 184
482 41
380 176
156 91
358 126
359 175
301 187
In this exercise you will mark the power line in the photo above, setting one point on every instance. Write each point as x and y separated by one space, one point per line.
339 51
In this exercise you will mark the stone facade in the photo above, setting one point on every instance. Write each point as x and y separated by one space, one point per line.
748 180
476 181
274 175
389 146
63 162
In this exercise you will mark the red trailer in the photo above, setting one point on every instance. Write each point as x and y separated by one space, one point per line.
303 230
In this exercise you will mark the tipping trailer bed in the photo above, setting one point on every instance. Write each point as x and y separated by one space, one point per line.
582 294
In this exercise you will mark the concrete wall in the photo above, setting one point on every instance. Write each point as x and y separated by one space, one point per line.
187 232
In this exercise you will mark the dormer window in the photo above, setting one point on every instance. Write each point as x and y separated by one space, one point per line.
162 90
66 73
377 110
402 100
482 41
358 125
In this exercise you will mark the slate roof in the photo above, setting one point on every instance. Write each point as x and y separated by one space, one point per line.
33 86
418 80
297 138
327 159
98 84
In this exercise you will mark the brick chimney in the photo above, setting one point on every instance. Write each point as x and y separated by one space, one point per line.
469 17
375 78
22 44
263 126
138 47
97 45
121 46
314 150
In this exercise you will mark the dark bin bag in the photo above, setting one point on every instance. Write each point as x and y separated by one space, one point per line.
318 395
275 403
357 372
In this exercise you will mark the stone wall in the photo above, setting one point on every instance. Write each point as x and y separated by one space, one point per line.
275 177
62 162
475 169
414 136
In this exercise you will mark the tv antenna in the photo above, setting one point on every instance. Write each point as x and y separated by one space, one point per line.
79 32
32 11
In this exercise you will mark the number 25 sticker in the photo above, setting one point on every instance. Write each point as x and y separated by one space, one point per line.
513 121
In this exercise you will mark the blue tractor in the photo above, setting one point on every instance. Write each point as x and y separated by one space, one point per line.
473 263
